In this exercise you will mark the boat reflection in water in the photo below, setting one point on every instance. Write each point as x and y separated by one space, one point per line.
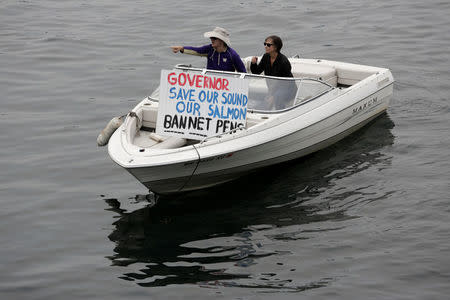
243 233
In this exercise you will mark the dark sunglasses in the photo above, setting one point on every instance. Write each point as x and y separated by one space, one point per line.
268 44
213 38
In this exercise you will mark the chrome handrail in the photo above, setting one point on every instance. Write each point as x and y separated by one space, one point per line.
247 75
204 71
223 133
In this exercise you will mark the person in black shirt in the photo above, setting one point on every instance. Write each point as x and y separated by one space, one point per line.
274 63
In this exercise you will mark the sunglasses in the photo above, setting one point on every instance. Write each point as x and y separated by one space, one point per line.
268 44
213 38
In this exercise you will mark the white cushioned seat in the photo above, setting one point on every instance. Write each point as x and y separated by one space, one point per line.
325 73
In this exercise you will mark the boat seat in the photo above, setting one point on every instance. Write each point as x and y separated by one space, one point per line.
248 62
149 116
354 74
347 73
324 73
152 140
148 139
167 142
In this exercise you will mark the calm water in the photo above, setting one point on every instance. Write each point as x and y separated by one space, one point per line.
368 218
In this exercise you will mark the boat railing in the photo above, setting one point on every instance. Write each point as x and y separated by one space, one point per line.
219 135
271 94
244 75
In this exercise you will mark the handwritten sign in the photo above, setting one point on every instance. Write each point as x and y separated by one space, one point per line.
195 105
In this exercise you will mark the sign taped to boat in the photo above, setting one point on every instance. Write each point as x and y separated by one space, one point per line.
196 106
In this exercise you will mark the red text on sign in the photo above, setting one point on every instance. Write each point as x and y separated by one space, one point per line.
198 81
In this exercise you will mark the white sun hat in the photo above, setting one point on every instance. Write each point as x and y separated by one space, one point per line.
219 33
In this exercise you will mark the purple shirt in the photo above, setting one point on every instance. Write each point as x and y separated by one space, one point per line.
222 61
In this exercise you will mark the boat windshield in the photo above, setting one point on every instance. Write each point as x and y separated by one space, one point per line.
268 93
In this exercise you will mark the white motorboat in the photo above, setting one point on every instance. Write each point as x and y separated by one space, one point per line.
331 100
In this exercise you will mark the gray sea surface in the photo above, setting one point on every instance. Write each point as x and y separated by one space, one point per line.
367 218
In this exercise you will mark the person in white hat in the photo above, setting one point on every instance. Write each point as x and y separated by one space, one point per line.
220 56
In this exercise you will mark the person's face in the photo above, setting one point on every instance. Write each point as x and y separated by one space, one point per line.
269 46
215 42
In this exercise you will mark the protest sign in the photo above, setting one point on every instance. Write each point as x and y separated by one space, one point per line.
196 105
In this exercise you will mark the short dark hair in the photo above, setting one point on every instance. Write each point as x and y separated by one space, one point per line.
276 41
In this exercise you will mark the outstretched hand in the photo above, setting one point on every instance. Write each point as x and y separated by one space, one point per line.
175 49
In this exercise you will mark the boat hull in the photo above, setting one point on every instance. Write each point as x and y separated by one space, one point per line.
232 165
207 179
210 170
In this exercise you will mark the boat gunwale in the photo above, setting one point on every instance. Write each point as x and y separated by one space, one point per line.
219 139
294 107
315 123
